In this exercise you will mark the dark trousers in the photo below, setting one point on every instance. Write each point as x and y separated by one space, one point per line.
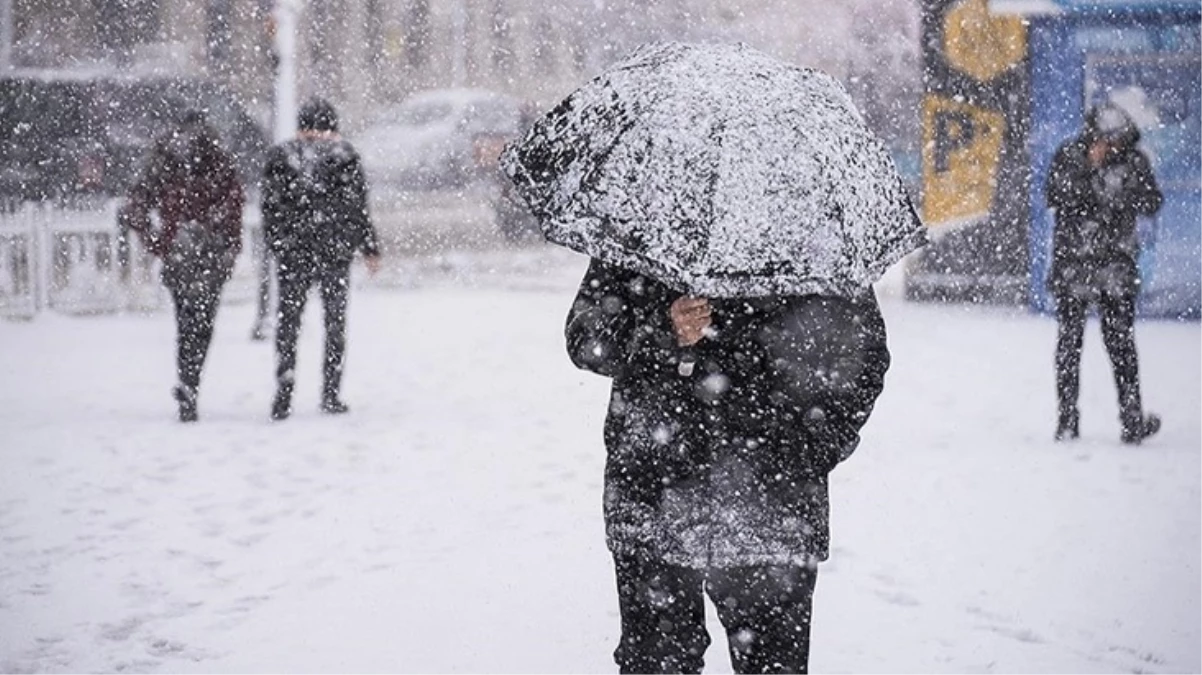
195 315
334 284
262 261
765 611
1118 334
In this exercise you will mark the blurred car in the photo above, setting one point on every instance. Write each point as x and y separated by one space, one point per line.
441 138
65 136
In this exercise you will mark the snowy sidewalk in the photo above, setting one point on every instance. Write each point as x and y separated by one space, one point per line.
451 522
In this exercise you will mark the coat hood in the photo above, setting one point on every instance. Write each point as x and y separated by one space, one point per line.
317 114
1112 123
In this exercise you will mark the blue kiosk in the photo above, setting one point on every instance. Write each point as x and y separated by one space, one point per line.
1144 56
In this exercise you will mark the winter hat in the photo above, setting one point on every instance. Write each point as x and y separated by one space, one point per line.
1111 123
317 114
191 138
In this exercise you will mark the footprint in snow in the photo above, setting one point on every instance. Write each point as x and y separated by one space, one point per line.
1020 634
249 540
898 598
120 632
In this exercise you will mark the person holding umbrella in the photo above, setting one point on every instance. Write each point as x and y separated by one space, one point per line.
736 211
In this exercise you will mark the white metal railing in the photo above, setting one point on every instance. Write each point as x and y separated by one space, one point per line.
78 261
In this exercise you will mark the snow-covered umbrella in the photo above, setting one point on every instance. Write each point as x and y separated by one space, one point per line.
720 171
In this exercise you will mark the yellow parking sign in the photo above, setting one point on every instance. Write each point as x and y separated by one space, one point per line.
982 44
962 148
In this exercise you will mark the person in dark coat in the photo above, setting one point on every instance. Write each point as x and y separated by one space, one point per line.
193 184
725 418
315 217
1098 183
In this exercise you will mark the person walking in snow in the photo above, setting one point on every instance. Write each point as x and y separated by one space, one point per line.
193 184
736 211
315 217
1098 184
716 475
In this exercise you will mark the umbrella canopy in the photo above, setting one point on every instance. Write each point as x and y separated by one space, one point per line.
719 171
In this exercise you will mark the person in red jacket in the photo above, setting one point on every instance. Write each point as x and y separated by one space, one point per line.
193 184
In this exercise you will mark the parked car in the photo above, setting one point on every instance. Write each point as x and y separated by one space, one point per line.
438 139
64 136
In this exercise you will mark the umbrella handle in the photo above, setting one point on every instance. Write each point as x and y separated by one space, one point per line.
688 362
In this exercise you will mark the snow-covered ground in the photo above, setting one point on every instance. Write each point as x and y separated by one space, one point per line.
452 521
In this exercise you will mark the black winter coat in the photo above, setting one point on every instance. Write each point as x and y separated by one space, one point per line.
315 208
727 466
1095 248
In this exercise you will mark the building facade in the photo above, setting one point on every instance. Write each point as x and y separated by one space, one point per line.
360 53
365 54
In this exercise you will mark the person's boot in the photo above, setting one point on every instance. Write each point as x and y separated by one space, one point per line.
1069 426
332 405
258 332
281 407
1135 431
186 398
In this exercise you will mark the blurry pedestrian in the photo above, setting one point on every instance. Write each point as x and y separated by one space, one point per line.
315 216
193 184
1098 183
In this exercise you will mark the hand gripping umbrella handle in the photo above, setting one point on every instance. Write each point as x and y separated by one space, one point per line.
688 362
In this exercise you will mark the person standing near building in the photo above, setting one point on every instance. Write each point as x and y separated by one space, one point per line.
1098 184
193 184
315 217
